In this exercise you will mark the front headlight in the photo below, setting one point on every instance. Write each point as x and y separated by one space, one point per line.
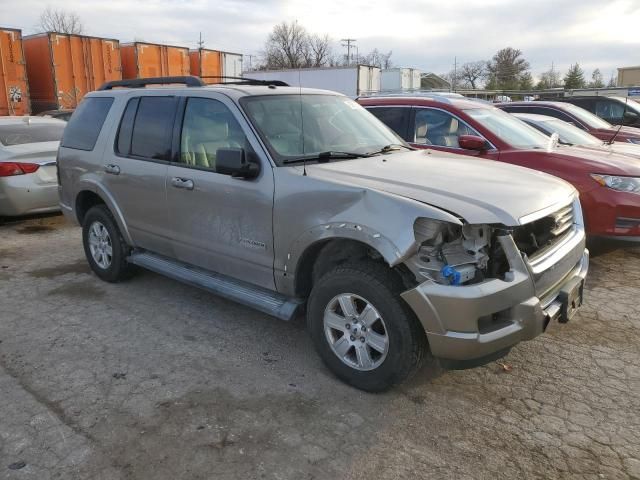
634 140
618 183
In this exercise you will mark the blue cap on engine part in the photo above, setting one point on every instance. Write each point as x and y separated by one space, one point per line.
451 274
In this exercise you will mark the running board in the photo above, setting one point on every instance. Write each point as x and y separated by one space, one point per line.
261 299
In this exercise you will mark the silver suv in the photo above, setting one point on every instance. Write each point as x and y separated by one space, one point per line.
288 199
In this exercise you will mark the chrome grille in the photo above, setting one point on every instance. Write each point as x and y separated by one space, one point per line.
540 236
563 220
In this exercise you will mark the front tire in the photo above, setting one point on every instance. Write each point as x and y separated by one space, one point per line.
363 331
104 246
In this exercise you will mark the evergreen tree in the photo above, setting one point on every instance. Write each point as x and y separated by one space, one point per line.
574 77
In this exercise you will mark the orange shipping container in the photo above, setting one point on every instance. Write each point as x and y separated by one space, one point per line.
140 60
206 63
14 91
63 68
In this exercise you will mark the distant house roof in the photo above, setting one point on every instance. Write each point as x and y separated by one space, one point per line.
431 80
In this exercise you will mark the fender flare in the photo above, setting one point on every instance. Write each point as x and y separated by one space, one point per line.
95 187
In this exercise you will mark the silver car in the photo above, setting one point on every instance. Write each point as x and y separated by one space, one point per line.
297 200
28 173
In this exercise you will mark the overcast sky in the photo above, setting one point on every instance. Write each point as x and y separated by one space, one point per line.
424 34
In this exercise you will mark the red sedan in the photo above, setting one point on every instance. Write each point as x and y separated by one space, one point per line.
577 116
609 185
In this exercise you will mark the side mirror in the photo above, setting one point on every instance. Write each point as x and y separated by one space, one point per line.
472 142
237 163
630 116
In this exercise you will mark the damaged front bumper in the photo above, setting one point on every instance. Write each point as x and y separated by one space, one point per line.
476 322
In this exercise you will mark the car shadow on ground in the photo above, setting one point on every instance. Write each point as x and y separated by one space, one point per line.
43 217
602 246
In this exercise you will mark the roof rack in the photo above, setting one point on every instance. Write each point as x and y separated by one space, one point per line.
189 81
249 81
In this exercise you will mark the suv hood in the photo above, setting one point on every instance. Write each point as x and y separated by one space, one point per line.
478 190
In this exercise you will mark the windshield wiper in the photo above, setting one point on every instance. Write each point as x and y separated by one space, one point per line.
390 148
326 156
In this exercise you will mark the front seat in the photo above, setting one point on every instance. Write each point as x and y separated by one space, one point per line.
451 138
216 136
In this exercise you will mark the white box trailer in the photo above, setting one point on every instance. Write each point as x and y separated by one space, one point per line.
231 64
350 81
399 79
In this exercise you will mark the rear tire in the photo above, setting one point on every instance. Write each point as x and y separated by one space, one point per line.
104 246
391 346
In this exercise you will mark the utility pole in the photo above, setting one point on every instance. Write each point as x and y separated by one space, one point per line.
200 41
455 73
349 43
250 57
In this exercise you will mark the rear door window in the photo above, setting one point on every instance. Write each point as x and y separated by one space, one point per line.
145 128
396 118
86 122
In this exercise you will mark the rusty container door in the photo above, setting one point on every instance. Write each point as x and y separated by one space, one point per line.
42 87
81 64
14 90
206 64
176 61
64 68
143 60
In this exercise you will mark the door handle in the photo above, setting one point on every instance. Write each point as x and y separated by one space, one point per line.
185 183
112 169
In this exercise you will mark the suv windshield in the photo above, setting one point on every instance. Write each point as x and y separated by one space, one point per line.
30 133
568 134
586 117
508 128
304 126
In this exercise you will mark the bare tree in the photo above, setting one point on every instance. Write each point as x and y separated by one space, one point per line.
549 79
471 73
60 21
290 46
376 58
320 49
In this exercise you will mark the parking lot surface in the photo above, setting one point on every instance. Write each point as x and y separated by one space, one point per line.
152 379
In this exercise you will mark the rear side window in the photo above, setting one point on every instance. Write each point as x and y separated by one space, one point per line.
396 118
123 143
150 135
86 122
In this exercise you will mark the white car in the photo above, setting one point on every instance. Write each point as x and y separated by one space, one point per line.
28 172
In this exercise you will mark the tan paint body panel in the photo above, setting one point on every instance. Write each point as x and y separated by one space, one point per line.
63 68
206 63
14 89
141 60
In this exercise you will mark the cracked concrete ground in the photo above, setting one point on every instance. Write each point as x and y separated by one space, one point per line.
152 379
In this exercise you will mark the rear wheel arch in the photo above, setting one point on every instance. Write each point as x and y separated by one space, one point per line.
93 194
84 201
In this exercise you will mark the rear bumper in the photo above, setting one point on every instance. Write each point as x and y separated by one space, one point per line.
23 195
471 322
